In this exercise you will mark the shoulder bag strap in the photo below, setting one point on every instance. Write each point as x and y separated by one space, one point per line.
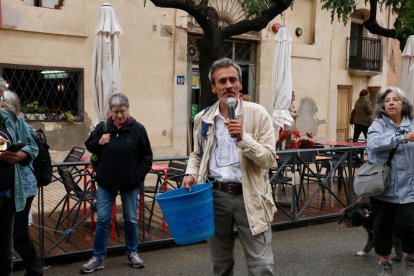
392 152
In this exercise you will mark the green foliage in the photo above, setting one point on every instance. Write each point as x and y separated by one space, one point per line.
406 22
341 8
33 107
255 8
67 116
404 9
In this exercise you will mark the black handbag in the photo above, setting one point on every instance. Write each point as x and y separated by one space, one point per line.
373 179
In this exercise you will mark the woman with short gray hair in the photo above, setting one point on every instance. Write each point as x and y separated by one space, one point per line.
125 158
393 128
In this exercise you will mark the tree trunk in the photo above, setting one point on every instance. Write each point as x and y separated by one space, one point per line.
209 47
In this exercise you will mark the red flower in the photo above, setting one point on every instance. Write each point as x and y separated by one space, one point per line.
297 142
283 135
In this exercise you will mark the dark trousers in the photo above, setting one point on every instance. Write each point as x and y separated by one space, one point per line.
7 212
358 129
389 217
23 243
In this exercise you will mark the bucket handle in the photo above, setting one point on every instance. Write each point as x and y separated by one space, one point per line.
182 176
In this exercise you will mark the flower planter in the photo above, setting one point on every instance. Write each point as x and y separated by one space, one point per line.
307 156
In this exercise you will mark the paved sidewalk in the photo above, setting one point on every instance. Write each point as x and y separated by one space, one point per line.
322 249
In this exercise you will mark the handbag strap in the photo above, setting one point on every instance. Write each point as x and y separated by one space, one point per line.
392 152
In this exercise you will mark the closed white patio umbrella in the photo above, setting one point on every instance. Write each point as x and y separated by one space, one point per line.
106 71
407 69
282 79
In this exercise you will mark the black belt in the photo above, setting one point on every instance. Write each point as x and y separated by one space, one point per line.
229 187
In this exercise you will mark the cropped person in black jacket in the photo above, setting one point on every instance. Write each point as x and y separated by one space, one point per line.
125 158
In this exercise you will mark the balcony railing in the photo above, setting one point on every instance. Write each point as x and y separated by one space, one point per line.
364 55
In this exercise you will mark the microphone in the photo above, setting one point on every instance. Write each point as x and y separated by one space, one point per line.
231 104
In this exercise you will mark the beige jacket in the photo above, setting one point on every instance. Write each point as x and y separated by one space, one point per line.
256 154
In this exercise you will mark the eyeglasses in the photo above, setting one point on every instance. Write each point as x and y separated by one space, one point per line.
121 111
399 131
226 155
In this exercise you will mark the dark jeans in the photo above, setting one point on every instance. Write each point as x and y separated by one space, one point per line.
389 217
7 212
358 129
23 243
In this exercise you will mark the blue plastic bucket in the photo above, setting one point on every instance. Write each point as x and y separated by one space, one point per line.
190 216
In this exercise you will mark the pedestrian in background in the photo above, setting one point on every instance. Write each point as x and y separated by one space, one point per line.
237 154
363 111
292 109
125 158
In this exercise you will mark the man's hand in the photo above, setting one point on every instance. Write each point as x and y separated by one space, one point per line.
188 181
235 128
409 137
13 157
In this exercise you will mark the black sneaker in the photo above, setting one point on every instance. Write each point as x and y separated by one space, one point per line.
135 261
92 265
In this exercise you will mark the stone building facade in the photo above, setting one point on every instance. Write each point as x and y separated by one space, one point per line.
331 63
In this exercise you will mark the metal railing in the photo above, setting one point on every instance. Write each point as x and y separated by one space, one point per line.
364 54
296 158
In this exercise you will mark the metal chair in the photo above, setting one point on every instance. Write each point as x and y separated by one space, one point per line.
169 177
76 194
279 179
74 155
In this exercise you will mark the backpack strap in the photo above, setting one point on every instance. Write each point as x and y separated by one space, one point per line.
203 131
105 125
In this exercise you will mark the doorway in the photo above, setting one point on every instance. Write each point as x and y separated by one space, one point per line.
343 112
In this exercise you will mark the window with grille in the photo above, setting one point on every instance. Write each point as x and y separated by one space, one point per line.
51 4
240 51
47 94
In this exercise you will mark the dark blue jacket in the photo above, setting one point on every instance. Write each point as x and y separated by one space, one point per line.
126 159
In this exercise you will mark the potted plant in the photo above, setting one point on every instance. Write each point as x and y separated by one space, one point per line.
67 116
53 114
34 111
296 142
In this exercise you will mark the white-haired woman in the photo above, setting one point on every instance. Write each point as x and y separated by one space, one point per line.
22 242
392 128
12 194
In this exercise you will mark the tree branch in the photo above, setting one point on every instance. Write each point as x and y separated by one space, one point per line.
201 13
256 24
372 25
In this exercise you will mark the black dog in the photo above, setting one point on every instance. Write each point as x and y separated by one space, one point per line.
359 214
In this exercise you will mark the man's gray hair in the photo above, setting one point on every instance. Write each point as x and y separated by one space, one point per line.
3 84
118 99
224 62
407 109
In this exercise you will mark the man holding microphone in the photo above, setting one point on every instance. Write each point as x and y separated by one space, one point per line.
234 145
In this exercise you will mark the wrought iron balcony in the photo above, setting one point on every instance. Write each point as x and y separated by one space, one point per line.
364 56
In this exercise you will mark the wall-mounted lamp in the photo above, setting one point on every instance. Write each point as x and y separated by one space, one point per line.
298 32
275 27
